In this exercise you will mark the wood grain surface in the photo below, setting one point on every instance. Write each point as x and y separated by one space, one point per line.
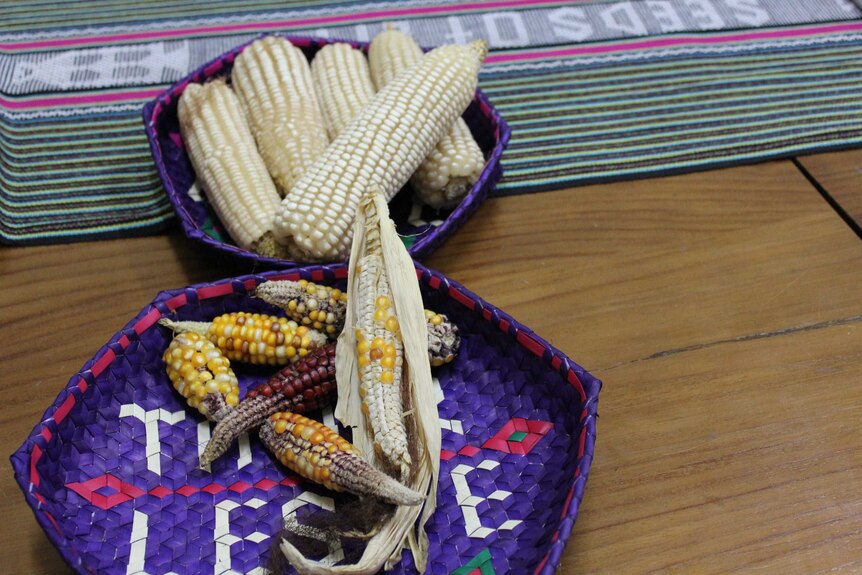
722 311
840 175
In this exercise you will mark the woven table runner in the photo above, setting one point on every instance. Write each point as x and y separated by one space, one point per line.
593 90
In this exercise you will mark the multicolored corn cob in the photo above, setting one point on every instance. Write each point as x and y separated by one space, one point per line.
309 304
305 386
199 371
316 452
443 338
254 338
323 308
380 351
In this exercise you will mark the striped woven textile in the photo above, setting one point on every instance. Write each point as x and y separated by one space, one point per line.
593 90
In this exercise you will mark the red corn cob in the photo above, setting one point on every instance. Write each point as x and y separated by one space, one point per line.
307 385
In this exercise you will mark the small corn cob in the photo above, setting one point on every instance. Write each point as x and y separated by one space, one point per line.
202 375
443 338
305 386
254 338
316 452
316 306
228 166
378 150
456 162
379 353
342 84
273 81
323 308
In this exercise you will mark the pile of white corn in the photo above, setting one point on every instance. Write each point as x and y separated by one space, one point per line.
286 149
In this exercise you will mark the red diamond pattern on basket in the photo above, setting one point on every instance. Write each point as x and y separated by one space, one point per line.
519 436
160 491
265 484
106 491
240 486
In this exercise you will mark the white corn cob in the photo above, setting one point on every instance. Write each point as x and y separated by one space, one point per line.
456 162
273 81
228 165
379 353
389 53
379 259
379 150
342 83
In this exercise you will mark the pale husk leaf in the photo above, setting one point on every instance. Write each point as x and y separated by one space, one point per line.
401 529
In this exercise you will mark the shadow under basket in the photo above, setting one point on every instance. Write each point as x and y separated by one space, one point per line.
111 472
422 228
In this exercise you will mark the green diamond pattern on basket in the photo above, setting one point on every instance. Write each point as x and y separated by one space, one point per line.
209 228
481 563
518 436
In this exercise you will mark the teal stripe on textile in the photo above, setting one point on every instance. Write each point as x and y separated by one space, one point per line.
583 121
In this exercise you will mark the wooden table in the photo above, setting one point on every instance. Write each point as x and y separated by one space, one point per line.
722 310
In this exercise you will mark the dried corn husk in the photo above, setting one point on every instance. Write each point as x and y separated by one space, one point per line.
406 526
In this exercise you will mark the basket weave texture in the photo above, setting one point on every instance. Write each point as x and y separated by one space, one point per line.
200 223
111 470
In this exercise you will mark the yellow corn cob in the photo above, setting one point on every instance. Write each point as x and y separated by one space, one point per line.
342 84
228 165
378 150
273 81
316 452
202 375
254 338
456 162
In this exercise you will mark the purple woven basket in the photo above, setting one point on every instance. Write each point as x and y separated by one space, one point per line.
111 471
200 222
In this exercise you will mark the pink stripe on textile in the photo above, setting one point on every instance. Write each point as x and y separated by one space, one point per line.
270 25
673 41
60 101
662 42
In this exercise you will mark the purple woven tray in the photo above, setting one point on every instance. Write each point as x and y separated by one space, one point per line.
111 471
200 222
